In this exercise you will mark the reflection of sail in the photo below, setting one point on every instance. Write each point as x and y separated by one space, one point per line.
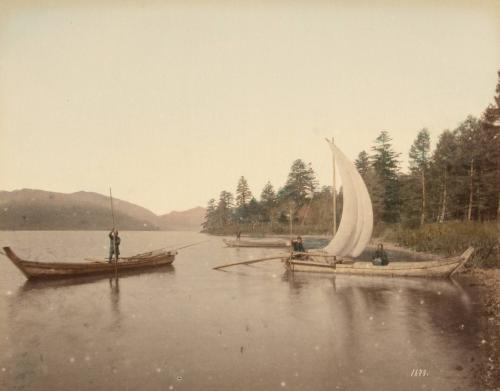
356 225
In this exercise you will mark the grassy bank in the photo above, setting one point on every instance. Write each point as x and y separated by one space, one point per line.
449 238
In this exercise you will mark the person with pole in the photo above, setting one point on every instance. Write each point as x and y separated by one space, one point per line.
114 245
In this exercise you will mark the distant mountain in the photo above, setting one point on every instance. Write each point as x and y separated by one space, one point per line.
29 209
188 220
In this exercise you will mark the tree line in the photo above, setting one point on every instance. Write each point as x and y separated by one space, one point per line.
458 180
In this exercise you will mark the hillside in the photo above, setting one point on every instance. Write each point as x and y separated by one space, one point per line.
188 220
29 209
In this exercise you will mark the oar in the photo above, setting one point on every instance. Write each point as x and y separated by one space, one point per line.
326 255
145 254
188 245
165 248
251 261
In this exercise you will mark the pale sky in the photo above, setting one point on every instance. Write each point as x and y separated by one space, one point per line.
171 102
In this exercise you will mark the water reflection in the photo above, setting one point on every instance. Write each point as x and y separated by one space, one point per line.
428 318
73 281
252 327
114 285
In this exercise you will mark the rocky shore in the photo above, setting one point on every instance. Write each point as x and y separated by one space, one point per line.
487 282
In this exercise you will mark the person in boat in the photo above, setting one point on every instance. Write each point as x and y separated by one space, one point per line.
114 244
380 257
298 247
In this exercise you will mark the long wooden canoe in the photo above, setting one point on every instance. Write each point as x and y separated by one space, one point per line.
255 243
44 270
327 264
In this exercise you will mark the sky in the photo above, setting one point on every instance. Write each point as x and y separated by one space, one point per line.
169 103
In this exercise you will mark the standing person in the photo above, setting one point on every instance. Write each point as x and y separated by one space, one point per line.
238 235
114 244
380 257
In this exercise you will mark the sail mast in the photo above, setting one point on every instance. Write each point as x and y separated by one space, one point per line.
334 190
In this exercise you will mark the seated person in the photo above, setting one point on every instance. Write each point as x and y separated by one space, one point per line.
298 247
380 257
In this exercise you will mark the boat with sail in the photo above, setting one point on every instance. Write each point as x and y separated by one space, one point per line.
354 234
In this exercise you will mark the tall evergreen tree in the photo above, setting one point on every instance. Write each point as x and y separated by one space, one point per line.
210 224
491 127
362 163
419 164
254 211
224 208
386 164
300 184
470 156
268 195
243 193
443 170
268 202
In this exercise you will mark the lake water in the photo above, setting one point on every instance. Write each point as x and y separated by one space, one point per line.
256 327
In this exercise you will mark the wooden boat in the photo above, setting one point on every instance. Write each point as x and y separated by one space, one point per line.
324 263
43 270
255 243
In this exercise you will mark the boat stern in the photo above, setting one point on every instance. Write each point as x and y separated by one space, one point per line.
18 262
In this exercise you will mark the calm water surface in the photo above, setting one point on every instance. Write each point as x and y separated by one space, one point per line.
188 327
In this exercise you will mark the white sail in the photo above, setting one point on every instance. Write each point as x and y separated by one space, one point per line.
366 211
356 225
342 241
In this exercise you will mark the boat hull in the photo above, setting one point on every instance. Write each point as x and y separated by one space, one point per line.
46 270
432 269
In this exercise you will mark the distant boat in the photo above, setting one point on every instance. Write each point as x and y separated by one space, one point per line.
256 243
354 234
45 270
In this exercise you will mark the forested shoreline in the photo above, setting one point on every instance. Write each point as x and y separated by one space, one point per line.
459 180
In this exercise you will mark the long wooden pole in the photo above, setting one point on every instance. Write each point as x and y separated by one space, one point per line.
291 230
114 232
334 186
251 261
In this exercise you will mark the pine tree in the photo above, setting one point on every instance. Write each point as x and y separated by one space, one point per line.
300 184
209 223
443 169
224 212
419 164
254 211
362 163
469 157
243 193
491 127
268 203
386 164
268 195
